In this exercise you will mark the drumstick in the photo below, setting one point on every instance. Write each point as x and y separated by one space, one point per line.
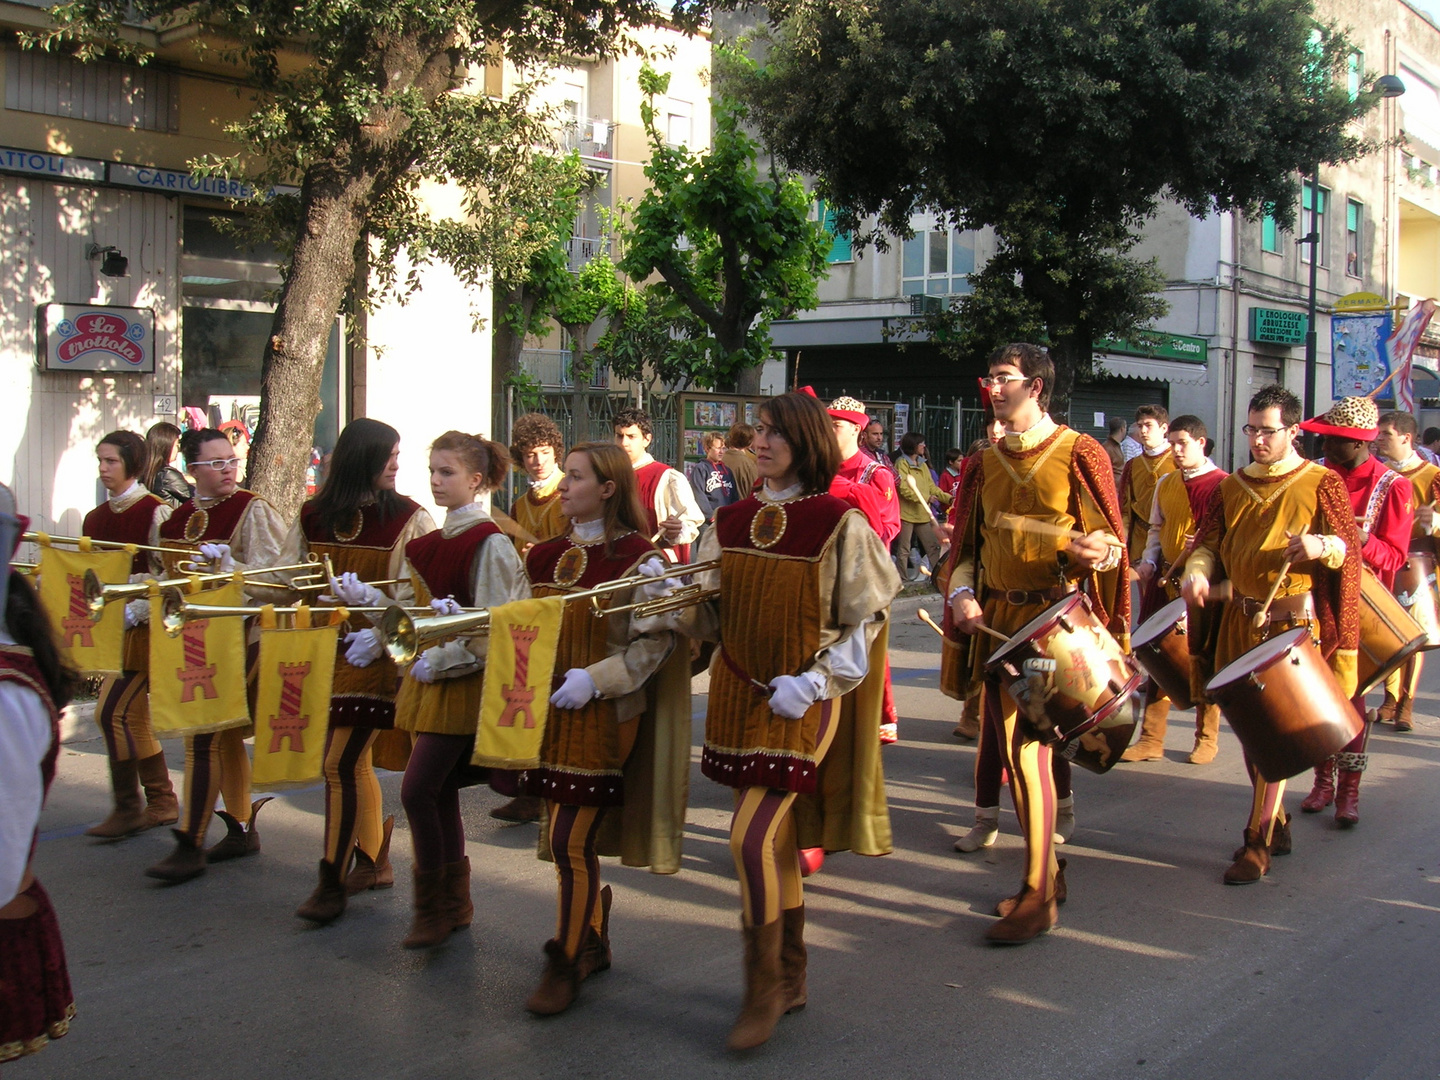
916 489
924 617
512 528
1263 614
1045 528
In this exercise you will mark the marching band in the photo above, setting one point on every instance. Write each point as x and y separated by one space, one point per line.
549 654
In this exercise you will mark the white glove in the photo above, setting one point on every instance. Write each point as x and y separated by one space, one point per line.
653 567
445 606
420 671
137 613
351 591
577 690
792 695
365 648
218 554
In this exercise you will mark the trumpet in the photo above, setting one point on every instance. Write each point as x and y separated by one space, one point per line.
74 541
402 636
176 611
98 594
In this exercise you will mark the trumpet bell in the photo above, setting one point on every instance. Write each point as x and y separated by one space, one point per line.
403 636
98 594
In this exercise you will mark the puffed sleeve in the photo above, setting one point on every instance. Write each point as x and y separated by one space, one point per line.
858 580
677 500
258 541
24 741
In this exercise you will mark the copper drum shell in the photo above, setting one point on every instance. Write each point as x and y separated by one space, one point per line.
1388 635
1416 590
1284 705
1161 645
1070 680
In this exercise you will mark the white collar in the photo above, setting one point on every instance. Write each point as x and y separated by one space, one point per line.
587 532
645 459
781 495
554 474
1289 463
1032 436
460 518
1156 452
133 489
1200 470
1413 461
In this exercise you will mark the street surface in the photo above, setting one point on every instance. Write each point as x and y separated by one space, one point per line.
1327 968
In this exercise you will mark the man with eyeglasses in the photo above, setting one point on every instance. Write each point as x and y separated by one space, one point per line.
1002 578
236 530
1279 509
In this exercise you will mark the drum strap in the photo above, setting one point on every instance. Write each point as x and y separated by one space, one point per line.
1377 499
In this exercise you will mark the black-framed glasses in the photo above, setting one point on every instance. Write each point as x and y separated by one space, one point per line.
220 464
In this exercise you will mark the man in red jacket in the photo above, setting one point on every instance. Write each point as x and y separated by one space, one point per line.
1384 511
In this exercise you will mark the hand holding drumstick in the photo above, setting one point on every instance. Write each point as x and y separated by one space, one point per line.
1086 549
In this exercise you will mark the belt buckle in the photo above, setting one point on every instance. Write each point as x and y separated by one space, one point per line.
1017 597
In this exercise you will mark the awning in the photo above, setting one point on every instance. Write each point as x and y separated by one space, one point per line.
1138 367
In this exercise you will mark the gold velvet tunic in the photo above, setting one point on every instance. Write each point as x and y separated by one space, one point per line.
1137 495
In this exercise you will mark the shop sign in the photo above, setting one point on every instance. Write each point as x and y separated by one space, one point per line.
174 182
81 337
53 166
1274 326
1160 346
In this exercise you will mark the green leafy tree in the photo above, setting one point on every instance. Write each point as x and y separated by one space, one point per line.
1060 124
735 249
358 102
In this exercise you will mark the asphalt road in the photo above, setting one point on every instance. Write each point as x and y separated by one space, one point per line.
1327 969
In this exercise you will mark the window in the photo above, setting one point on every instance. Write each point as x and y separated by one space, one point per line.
1314 220
1269 232
677 123
1354 70
936 261
841 248
1354 216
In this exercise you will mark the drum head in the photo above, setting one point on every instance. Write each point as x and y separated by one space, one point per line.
1159 624
1034 626
1258 658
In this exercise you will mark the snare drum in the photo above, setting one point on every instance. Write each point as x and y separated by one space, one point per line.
1284 705
1161 645
1070 680
1415 589
1388 635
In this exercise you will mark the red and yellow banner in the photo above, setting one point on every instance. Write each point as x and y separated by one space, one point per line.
516 700
292 704
197 677
93 647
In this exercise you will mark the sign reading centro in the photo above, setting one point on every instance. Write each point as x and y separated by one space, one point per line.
76 337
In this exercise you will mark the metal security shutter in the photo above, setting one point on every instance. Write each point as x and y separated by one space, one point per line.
1113 397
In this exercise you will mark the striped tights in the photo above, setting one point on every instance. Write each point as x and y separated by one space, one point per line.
215 764
1032 783
124 717
353 802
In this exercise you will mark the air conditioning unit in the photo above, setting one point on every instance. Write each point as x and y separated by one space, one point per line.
926 305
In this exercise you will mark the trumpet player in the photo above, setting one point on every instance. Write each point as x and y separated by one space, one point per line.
235 530
362 524
131 515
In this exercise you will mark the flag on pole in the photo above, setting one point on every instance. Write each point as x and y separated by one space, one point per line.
292 704
1402 352
524 637
94 648
197 678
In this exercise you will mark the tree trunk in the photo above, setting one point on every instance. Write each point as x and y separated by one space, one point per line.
580 385
505 350
747 381
1071 353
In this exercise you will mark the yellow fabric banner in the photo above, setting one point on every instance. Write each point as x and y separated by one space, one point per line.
516 700
94 648
197 677
292 705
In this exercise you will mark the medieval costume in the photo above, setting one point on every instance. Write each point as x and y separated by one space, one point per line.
1400 686
665 493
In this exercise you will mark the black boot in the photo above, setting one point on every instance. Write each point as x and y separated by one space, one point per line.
239 840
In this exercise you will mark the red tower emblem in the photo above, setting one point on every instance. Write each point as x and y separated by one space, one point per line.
520 696
196 674
290 723
78 623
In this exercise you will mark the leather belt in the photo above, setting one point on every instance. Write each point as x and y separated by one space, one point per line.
1297 608
1038 596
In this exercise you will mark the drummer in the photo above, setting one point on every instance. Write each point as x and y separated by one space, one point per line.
1395 442
1383 506
1278 510
1180 498
1138 480
1002 578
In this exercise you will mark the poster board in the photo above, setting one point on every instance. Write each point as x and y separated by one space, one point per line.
700 412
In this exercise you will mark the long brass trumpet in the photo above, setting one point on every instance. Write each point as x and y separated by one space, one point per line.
402 636
74 541
98 594
176 611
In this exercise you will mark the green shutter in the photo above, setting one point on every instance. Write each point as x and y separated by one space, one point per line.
1269 234
840 242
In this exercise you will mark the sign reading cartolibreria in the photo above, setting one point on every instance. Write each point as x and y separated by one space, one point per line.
1274 326
87 337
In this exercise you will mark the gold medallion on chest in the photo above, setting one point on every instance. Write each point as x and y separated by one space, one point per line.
571 566
196 525
768 526
1022 500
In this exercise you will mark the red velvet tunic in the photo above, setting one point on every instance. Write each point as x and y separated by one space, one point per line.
1382 502
443 563
216 526
648 478
870 487
129 526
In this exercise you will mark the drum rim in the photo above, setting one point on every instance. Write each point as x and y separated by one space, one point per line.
1138 640
1106 711
1295 635
1027 633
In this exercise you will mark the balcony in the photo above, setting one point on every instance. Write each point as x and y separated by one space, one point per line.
584 248
593 138
551 369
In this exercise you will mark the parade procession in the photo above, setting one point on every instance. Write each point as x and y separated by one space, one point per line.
636 538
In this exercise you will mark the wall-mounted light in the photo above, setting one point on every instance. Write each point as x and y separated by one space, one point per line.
112 263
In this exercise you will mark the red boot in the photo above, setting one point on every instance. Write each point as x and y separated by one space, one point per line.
1347 798
811 860
1323 793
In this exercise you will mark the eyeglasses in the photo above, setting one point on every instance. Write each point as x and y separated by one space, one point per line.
996 382
1251 431
219 464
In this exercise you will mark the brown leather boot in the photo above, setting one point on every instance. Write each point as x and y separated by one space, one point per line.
1004 907
327 902
595 953
1280 843
185 862
455 886
1404 714
239 840
431 923
1207 735
1322 793
764 988
376 873
1253 863
1029 918
1151 746
128 814
520 809
793 958
1386 711
161 806
558 986
969 725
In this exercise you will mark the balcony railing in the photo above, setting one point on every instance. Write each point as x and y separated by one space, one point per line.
593 138
584 248
551 369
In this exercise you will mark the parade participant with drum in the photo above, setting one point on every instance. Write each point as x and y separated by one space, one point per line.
132 515
1179 500
671 513
1395 442
1281 529
1004 576
1138 480
236 530
1383 509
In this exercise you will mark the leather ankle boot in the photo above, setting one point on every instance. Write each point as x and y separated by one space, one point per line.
1006 906
764 1002
375 873
1322 794
1404 714
793 959
1387 709
431 923
560 984
1151 746
595 953
1207 734
185 862
1347 798
987 828
520 809
1028 919
161 806
455 886
239 840
1280 843
969 725
327 902
1253 863
128 814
